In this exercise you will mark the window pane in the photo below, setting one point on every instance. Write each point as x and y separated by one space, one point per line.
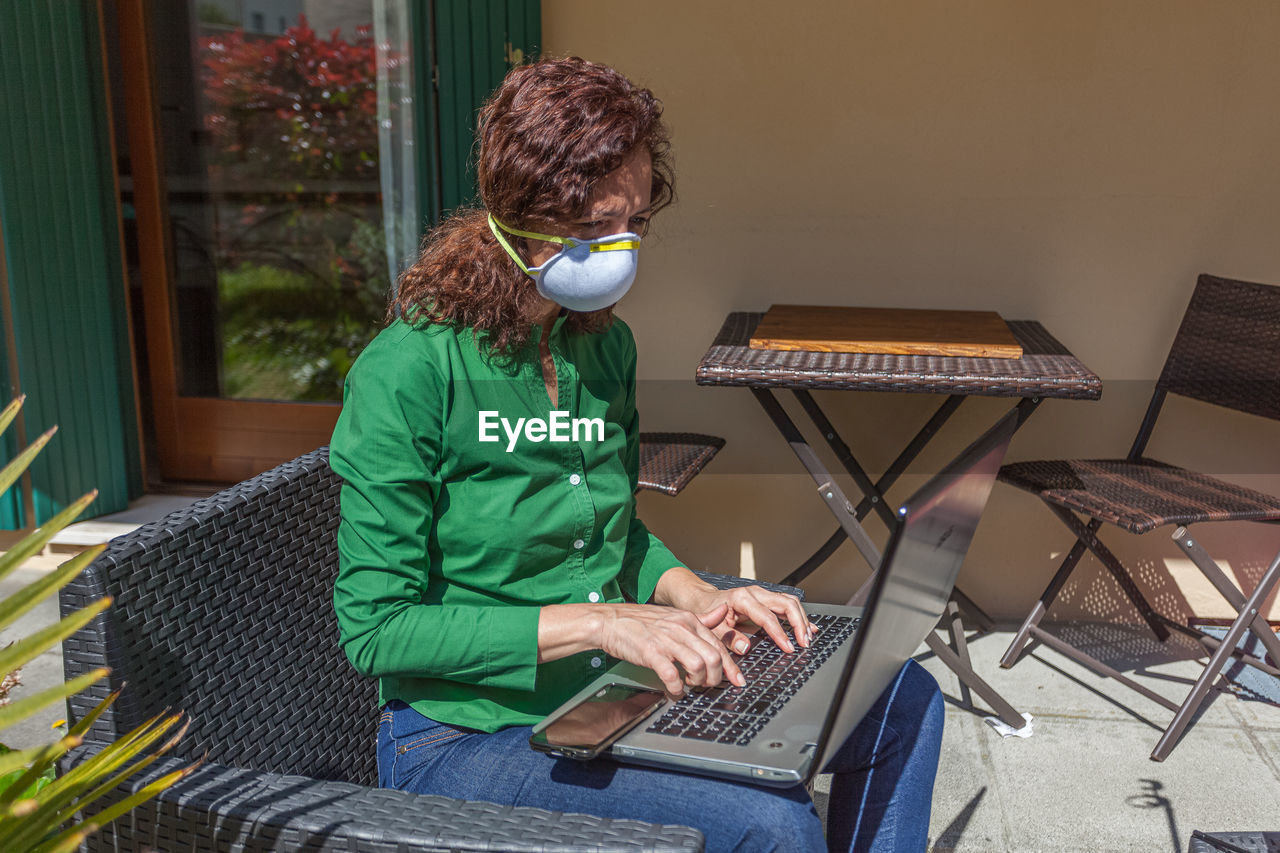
270 139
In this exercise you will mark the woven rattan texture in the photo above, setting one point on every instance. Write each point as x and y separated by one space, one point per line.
227 809
670 460
1254 842
729 582
224 610
1227 350
1046 369
1139 495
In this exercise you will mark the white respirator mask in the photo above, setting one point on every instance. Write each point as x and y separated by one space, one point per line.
585 275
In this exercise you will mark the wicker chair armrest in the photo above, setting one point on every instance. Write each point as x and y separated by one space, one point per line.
729 582
1229 842
220 808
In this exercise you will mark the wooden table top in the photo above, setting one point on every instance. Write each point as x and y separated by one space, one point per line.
895 331
1046 368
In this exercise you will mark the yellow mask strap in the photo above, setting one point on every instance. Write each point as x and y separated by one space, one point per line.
532 235
620 246
497 228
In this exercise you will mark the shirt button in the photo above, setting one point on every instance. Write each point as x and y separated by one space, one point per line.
593 597
578 544
596 662
574 479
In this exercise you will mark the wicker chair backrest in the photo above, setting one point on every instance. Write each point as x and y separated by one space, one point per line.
224 610
1227 350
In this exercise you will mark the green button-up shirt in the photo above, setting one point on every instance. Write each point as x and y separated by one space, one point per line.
470 501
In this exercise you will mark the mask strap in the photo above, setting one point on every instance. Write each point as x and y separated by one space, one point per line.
568 242
494 227
497 227
532 235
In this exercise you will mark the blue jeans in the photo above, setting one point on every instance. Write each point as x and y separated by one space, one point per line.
880 793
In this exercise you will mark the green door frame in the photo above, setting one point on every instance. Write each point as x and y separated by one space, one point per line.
59 208
469 46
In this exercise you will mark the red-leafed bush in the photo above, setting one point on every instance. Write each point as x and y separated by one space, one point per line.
294 106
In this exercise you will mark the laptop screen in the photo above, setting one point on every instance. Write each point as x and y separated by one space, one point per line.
917 574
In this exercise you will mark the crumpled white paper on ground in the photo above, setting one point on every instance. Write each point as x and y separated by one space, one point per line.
1007 730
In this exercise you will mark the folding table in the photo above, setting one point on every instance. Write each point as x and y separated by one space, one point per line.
1046 369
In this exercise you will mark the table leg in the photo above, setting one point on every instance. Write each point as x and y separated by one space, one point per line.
959 645
845 455
827 488
913 448
870 499
1006 712
873 493
956 656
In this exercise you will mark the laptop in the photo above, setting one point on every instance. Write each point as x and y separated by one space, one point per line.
796 709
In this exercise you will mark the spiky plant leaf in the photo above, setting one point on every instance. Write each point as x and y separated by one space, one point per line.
11 411
32 543
58 804
24 650
112 812
20 758
28 705
10 473
44 757
83 783
37 817
36 591
68 841
98 710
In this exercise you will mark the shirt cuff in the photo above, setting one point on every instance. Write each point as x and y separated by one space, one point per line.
658 559
511 659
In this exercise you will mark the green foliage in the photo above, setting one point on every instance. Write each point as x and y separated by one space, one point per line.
39 810
294 335
39 784
212 13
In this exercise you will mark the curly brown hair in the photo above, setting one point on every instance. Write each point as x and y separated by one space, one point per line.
547 134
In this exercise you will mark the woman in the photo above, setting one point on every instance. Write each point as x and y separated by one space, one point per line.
489 544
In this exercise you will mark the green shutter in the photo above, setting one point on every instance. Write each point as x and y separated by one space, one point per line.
474 43
61 230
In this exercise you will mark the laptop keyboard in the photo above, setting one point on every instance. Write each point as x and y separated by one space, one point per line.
731 714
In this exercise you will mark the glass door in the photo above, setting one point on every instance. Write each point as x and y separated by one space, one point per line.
254 177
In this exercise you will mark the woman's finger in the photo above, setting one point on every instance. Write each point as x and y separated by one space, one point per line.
695 663
706 644
727 665
715 615
790 608
730 666
799 619
761 614
796 617
736 641
668 673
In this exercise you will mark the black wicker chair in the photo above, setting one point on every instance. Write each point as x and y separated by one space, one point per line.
224 610
1234 842
1226 352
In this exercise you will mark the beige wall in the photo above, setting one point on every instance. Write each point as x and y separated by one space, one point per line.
1073 163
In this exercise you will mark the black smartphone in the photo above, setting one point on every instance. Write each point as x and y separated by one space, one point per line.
586 729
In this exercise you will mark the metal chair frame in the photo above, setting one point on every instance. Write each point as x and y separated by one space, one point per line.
1185 374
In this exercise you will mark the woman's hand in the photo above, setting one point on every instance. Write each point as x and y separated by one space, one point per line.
667 641
676 644
682 589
